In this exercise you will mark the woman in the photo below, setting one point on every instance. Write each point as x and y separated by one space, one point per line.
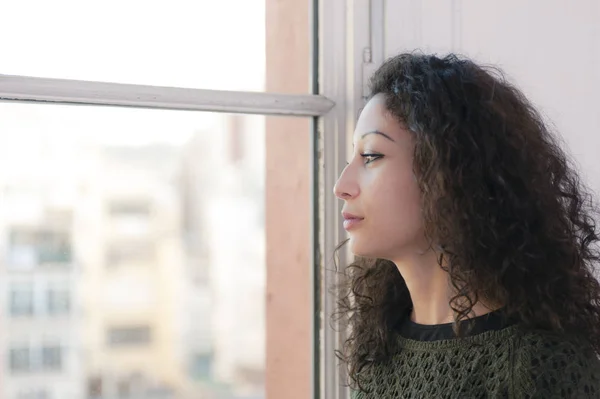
475 243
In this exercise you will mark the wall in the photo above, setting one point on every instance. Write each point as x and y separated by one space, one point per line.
288 206
550 48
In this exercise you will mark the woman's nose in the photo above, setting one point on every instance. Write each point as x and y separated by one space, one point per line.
345 188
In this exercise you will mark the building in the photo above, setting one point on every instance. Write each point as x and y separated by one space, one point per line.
222 191
41 338
133 278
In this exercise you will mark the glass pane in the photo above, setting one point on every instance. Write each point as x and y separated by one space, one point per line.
132 253
187 43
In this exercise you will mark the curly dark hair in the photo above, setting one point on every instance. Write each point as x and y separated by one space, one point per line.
503 201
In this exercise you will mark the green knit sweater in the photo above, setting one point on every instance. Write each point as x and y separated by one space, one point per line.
508 363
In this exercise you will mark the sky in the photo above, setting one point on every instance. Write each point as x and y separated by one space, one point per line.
178 43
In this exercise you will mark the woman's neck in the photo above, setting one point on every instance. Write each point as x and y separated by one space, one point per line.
430 290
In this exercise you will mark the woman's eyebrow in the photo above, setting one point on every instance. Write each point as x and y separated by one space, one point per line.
377 132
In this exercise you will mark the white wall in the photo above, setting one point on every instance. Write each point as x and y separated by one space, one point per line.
550 48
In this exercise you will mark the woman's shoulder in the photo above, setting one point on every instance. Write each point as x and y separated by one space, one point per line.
548 365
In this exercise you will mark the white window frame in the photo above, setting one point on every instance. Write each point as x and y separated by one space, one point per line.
82 92
352 47
347 46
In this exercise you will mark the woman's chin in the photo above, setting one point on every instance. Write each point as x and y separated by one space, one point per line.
360 249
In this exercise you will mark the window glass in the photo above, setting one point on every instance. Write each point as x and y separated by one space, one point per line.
134 243
184 43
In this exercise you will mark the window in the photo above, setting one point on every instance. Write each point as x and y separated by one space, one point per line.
20 360
139 209
130 252
201 366
34 394
21 299
94 387
181 53
210 202
200 182
51 357
59 300
129 336
53 247
133 218
29 358
32 246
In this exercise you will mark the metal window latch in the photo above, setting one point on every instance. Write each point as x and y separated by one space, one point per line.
368 68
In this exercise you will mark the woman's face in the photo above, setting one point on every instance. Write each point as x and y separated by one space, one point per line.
382 211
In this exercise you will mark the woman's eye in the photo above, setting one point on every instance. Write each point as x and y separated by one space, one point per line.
368 158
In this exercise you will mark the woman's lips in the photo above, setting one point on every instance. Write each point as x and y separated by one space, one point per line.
351 221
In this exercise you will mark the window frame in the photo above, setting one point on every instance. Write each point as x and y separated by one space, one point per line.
351 47
342 31
82 92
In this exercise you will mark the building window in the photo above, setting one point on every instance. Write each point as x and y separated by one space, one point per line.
34 394
20 360
130 252
130 218
129 336
201 366
59 301
129 208
32 247
94 387
54 247
21 300
51 357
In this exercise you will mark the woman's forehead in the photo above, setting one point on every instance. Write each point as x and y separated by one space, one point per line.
375 117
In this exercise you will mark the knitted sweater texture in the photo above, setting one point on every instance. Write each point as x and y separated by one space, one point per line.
509 363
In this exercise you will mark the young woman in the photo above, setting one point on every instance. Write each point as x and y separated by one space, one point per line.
475 243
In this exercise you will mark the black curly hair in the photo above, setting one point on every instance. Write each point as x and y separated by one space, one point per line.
504 202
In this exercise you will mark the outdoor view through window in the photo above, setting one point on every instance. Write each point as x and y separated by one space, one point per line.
132 241
132 253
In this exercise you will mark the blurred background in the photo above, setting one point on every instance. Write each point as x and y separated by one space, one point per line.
167 254
132 242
